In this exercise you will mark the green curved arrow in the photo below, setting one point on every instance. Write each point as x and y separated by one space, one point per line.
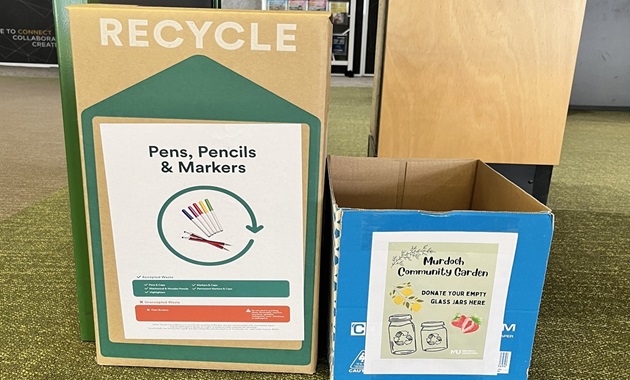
253 228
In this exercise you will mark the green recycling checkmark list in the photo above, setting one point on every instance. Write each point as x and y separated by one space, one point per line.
253 227
211 288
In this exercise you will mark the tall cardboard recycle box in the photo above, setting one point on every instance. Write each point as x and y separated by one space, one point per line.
202 139
437 271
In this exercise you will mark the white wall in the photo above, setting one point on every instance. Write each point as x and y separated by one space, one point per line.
602 74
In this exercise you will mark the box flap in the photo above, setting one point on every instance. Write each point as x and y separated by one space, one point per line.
439 185
368 183
421 184
493 192
425 184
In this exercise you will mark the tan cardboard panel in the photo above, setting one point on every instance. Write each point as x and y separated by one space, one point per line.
485 79
247 62
493 192
368 183
439 185
101 72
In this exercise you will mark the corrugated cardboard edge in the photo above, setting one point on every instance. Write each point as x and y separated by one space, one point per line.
334 275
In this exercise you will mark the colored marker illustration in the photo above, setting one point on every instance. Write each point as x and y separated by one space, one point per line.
195 238
213 214
195 222
202 215
196 211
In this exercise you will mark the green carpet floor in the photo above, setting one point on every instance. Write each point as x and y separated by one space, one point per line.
39 326
583 330
594 170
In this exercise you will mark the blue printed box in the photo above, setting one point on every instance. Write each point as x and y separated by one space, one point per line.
437 270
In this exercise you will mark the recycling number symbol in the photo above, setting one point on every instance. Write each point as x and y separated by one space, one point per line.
434 339
403 338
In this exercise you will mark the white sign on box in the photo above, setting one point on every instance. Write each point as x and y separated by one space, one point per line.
207 228
436 302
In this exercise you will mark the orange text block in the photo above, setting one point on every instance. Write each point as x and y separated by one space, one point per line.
212 313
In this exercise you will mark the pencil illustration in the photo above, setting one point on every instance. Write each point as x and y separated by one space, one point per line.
193 237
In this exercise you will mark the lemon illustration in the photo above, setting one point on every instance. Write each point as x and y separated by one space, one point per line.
398 300
406 292
416 306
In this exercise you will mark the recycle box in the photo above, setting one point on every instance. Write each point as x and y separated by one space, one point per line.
437 270
188 119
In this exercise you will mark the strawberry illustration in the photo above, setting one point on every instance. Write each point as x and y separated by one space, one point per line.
471 324
458 320
466 324
472 329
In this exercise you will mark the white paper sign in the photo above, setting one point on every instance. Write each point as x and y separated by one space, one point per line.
436 302
207 228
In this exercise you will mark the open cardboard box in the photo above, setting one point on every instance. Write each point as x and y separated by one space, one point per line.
432 244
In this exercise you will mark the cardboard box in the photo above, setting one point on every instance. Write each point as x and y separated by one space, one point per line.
199 257
437 271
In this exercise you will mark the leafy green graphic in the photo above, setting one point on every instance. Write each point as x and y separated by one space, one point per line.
411 254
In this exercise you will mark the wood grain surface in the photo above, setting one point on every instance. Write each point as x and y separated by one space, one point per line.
478 79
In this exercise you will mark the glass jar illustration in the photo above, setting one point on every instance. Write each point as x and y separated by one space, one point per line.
402 334
433 336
